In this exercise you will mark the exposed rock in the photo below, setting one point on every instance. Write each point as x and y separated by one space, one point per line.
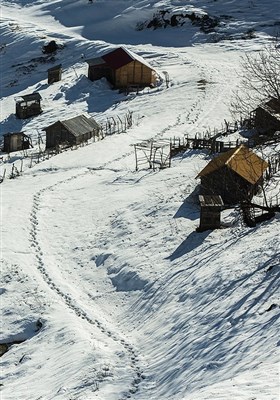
51 47
164 18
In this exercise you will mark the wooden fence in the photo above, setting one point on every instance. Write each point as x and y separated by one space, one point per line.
273 166
12 167
213 145
115 125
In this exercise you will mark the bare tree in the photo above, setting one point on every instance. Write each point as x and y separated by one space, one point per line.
260 79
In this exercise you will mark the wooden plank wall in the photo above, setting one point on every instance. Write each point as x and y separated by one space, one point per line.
134 73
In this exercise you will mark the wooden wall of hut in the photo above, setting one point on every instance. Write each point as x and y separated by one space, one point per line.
231 186
57 134
266 122
210 212
98 72
15 142
134 73
26 109
54 74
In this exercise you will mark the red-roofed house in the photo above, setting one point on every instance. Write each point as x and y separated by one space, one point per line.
122 68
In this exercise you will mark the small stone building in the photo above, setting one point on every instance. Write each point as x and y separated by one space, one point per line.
71 132
28 105
235 175
122 68
54 74
267 117
16 141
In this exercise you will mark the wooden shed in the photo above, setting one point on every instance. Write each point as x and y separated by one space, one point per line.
54 74
267 117
235 175
28 105
123 69
71 132
16 141
210 212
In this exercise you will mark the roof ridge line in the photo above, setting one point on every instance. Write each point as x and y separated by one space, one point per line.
234 154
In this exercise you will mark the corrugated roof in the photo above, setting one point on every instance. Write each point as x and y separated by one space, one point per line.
80 125
240 160
118 58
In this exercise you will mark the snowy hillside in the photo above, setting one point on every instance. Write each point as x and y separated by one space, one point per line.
107 290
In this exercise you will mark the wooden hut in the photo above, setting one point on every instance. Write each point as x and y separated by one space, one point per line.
54 74
71 132
210 212
235 175
28 105
123 69
267 117
16 141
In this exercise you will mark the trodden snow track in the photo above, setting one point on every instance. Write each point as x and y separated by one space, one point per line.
138 374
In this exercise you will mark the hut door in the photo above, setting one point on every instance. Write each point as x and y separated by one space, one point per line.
14 143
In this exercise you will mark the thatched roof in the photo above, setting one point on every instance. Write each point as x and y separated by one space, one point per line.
241 160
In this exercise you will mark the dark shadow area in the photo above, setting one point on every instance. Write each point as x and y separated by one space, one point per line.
28 331
13 124
98 95
114 24
189 209
193 153
193 241
27 73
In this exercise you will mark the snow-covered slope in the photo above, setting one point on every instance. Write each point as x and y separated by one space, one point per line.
107 290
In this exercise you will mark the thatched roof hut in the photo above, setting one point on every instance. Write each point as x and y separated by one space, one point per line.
235 175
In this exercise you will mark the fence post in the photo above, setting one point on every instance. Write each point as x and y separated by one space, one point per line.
121 123
12 173
3 177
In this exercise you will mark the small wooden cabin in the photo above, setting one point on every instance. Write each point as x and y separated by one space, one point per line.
123 69
28 105
16 141
267 117
235 175
71 132
210 212
54 74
